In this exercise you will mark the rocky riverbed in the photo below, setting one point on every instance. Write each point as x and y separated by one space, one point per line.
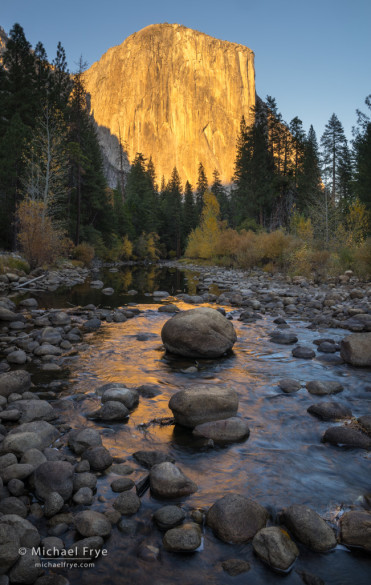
107 441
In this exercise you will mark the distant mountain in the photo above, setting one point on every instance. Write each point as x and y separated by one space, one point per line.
174 94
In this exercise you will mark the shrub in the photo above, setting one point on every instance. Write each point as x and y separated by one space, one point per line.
84 253
362 257
9 263
40 241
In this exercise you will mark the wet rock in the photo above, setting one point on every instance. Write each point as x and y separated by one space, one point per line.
356 349
168 517
122 484
126 396
92 324
27 569
150 458
17 471
127 526
355 529
289 385
168 309
96 284
235 567
47 349
303 352
53 503
203 403
36 434
365 422
18 357
121 469
90 523
347 436
9 547
16 487
18 381
98 457
201 332
82 466
84 479
22 529
81 439
330 411
7 459
223 431
111 411
50 336
33 457
168 481
83 496
323 387
29 303
327 347
309 579
108 290
235 518
149 390
309 528
127 503
274 546
160 294
34 410
54 476
185 538
88 548
283 337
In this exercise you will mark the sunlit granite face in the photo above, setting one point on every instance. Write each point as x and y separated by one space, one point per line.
174 94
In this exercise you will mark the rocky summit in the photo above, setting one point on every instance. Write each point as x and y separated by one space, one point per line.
174 94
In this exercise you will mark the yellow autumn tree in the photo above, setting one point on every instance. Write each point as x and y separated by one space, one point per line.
357 222
203 240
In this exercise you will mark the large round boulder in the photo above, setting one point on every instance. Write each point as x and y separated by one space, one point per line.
356 349
54 476
308 527
236 519
198 333
274 546
203 403
168 481
356 529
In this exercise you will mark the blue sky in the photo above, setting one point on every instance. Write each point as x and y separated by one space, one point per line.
312 56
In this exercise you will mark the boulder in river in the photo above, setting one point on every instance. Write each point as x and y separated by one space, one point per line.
323 387
356 349
347 436
236 519
308 527
18 381
54 476
274 546
168 481
198 333
203 403
223 431
185 538
330 411
355 529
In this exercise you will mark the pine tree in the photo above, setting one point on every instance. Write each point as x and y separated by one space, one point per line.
309 180
334 155
220 193
298 139
201 188
362 156
140 198
189 210
61 83
172 232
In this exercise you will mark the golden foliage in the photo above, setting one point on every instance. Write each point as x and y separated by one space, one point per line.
40 241
85 253
203 240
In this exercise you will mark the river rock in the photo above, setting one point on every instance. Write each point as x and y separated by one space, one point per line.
128 397
12 505
47 349
9 547
84 479
283 337
33 457
356 349
54 476
289 385
330 411
36 434
347 436
234 567
309 528
98 457
83 496
323 387
355 529
274 546
16 471
168 481
18 357
92 324
127 503
203 403
81 439
168 309
111 411
7 315
34 410
168 517
185 538
86 548
14 382
23 529
223 431
236 519
53 503
303 352
27 569
90 523
150 458
50 336
365 422
198 333
122 484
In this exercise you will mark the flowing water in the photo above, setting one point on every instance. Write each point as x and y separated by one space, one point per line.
283 461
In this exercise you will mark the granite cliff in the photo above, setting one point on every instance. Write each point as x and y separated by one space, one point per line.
174 94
